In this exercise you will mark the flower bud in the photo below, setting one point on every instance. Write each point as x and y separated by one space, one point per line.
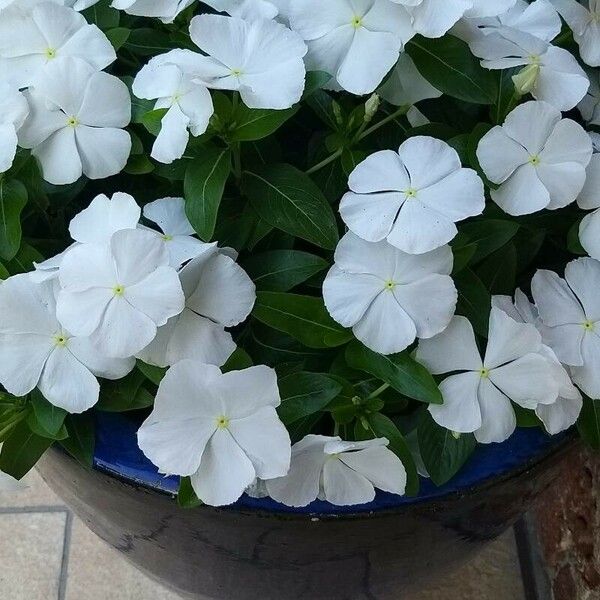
526 79
371 107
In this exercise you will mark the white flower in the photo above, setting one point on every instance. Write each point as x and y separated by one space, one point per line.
477 400
489 8
75 121
31 42
119 293
165 10
104 217
432 18
342 473
536 18
589 199
245 9
355 42
585 24
412 197
169 79
36 351
48 269
261 59
551 74
25 5
538 159
589 107
218 294
406 86
177 231
389 298
570 312
564 411
222 430
13 112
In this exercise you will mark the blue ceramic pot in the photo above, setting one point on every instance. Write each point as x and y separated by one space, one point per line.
259 549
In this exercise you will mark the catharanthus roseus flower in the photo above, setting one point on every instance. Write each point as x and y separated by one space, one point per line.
37 351
165 10
261 59
245 9
342 473
589 199
119 293
169 79
570 313
219 294
31 42
169 215
589 107
412 198
13 112
432 18
388 297
220 429
564 411
478 399
355 42
538 158
75 122
488 8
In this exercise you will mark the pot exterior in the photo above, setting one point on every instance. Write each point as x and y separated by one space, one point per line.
236 554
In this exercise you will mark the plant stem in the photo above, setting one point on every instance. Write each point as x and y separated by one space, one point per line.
325 162
378 391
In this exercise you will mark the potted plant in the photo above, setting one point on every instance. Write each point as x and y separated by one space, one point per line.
329 274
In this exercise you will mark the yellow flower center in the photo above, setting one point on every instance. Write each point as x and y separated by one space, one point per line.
411 193
50 53
484 373
356 22
72 122
236 72
535 160
167 238
119 290
589 326
223 422
60 340
390 285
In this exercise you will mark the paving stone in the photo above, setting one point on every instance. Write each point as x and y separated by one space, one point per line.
31 551
34 493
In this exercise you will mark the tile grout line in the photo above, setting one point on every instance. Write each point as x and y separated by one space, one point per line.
24 510
64 568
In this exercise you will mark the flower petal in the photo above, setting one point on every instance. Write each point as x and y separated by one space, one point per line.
583 277
345 487
497 415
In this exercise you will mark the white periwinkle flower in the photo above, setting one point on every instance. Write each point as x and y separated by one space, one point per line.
488 8
549 73
538 158
103 217
119 293
589 199
342 473
177 231
261 59
412 197
220 429
355 42
169 79
75 122
165 10
565 410
585 24
389 298
31 42
569 309
13 112
37 351
245 9
218 294
406 86
589 107
477 399
432 18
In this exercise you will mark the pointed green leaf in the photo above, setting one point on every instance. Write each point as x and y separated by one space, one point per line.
13 198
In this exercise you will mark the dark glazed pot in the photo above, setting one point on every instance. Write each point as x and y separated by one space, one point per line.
258 549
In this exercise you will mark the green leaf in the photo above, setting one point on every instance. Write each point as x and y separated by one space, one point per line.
125 395
139 164
4 274
383 426
118 36
498 272
305 318
304 394
148 42
22 450
102 15
315 80
238 361
82 438
204 185
282 270
489 235
152 120
449 65
154 374
289 200
256 124
48 416
186 496
442 451
24 259
589 423
474 301
13 198
400 371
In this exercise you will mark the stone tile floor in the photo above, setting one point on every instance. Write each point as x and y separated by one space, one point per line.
46 553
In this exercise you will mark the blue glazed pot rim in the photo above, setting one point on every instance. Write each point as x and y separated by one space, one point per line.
117 454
